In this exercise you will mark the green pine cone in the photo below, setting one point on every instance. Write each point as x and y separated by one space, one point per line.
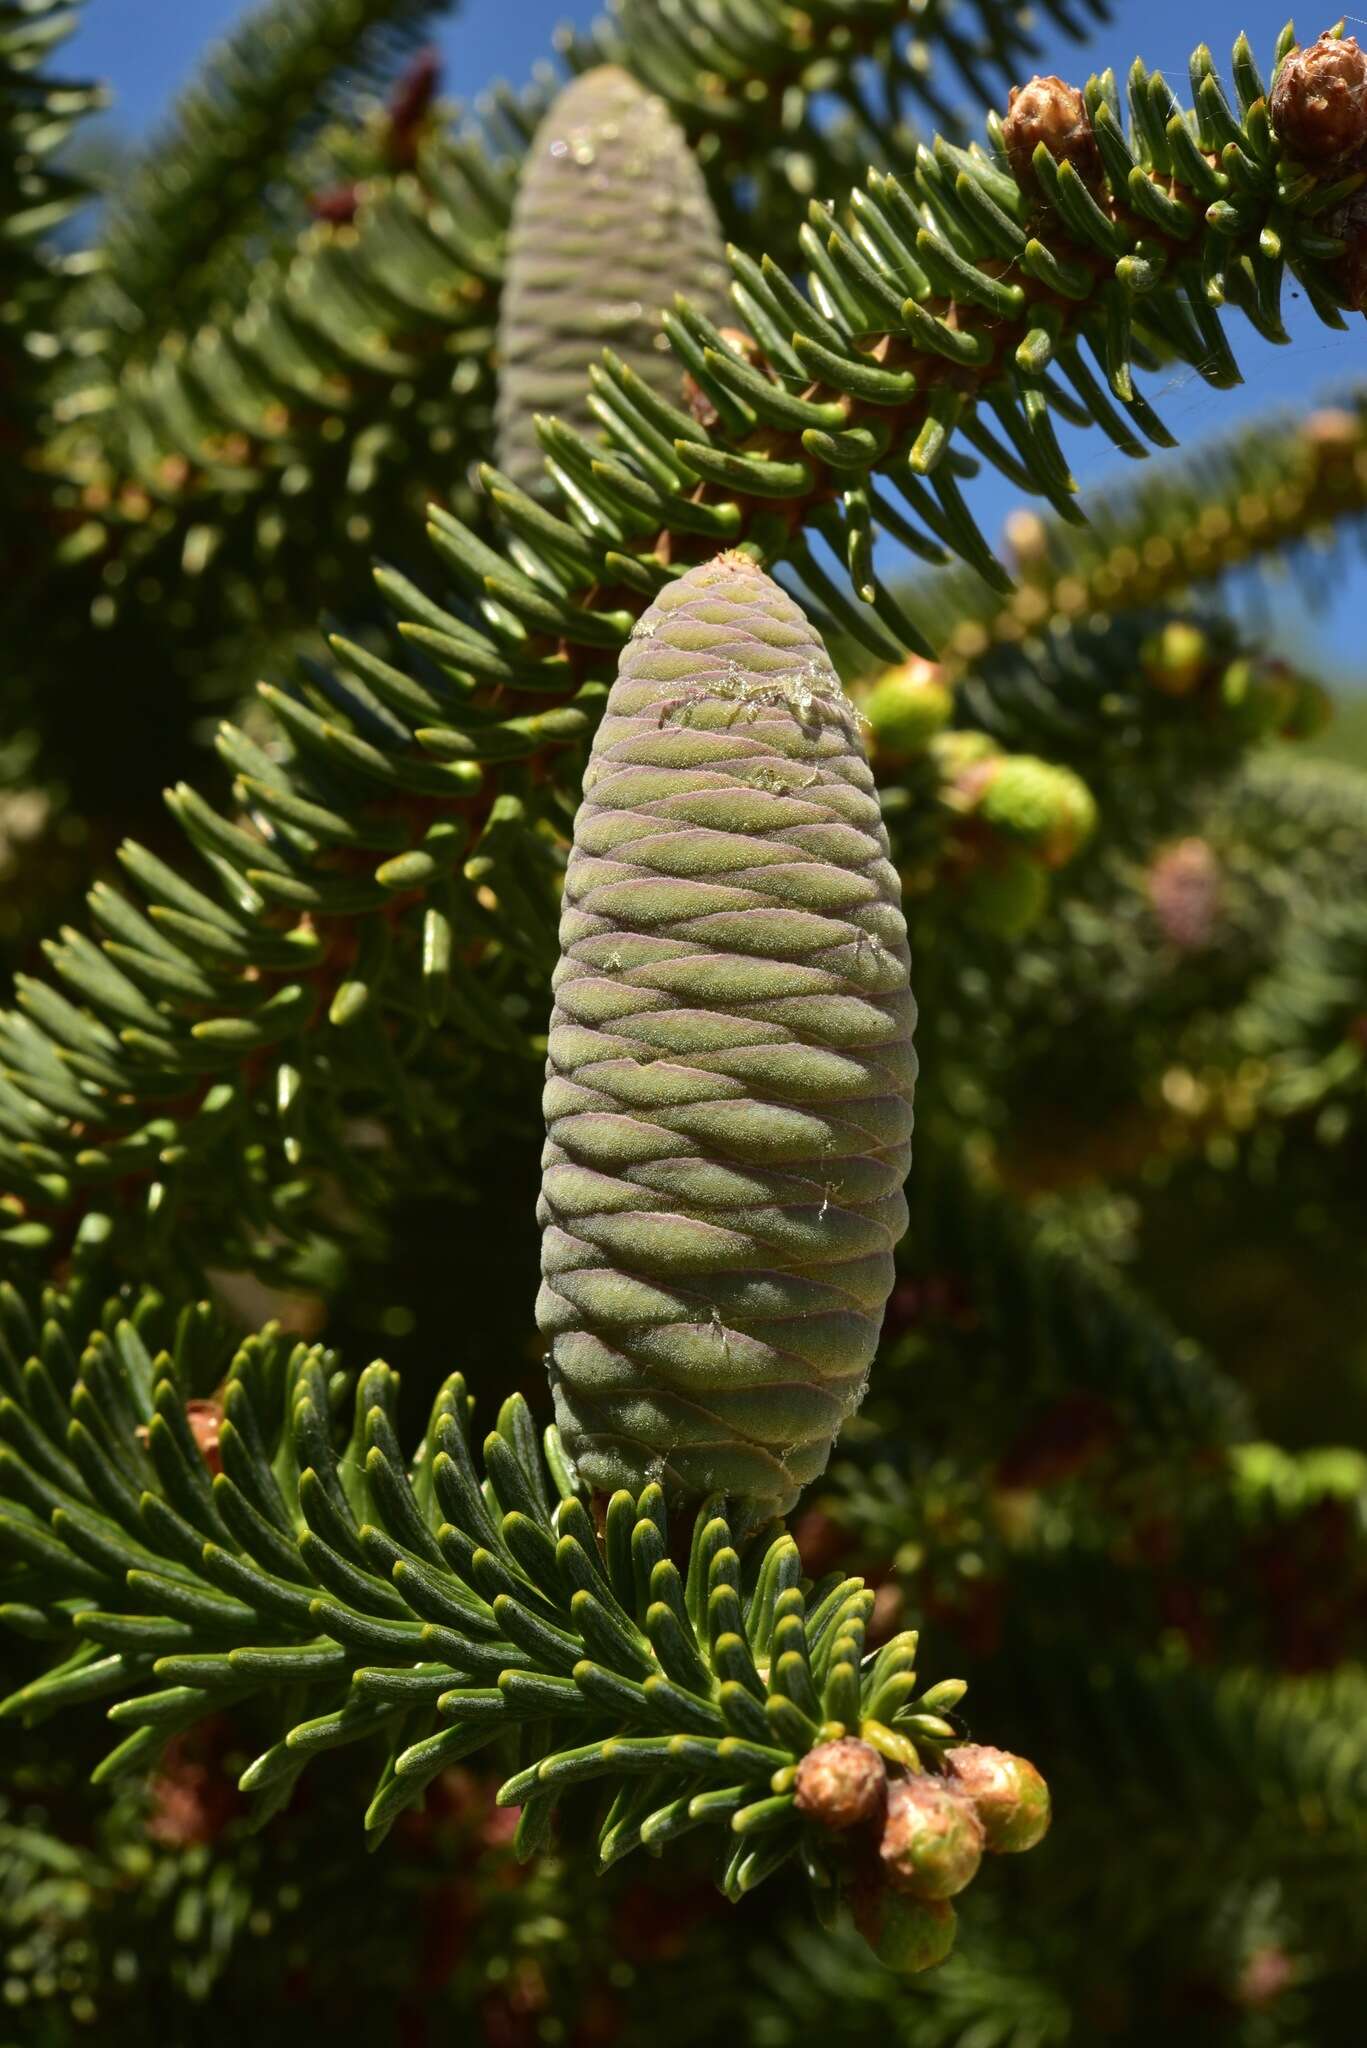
729 1084
612 218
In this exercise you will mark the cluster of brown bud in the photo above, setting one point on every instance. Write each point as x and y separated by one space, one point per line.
1255 695
1318 109
913 1840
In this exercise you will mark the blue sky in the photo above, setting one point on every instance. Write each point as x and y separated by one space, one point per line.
146 49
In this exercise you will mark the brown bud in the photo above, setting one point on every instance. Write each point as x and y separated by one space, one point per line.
932 1839
338 205
1055 114
1332 430
1184 887
410 102
205 1419
1027 536
1008 1795
1319 101
841 1783
907 1935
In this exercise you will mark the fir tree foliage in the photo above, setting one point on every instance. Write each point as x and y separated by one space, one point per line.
651 738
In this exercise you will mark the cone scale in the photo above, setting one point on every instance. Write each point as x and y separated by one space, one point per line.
729 1082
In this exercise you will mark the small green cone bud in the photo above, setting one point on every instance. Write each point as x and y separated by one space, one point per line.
1175 658
1258 695
1008 1795
1319 101
612 218
906 708
840 1784
1004 900
907 1935
1047 808
932 1838
1050 112
959 756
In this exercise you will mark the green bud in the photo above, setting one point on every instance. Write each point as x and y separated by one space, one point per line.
1175 657
932 1838
1258 695
907 1935
1047 808
906 708
1007 898
1008 1795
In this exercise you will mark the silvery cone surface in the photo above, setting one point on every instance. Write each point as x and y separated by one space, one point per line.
612 219
729 1084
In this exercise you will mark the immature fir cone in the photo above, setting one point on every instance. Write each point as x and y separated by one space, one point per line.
612 218
841 1783
1049 111
730 1071
1319 101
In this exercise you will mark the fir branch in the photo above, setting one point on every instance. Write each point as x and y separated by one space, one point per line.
37 116
778 99
1037 1307
253 464
1154 709
913 334
363 1597
204 189
1269 490
1306 1022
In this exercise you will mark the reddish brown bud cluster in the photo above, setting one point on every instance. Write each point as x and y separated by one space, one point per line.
1051 112
911 1841
1319 101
